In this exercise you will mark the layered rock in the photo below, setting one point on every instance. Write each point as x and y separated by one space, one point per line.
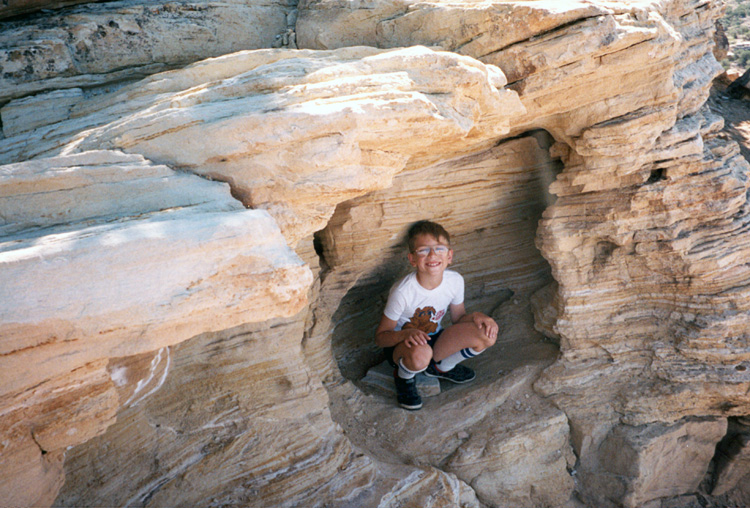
110 42
153 207
644 463
636 145
86 278
639 274
239 418
294 143
489 202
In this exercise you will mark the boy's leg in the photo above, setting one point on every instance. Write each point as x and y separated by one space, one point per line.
460 336
415 358
456 344
409 362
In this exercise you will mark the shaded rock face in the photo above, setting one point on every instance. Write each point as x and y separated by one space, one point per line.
193 261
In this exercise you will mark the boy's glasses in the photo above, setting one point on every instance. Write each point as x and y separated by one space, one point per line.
437 249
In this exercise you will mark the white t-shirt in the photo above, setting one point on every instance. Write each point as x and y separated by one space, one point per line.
412 306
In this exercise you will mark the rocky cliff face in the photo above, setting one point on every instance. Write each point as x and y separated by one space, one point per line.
200 223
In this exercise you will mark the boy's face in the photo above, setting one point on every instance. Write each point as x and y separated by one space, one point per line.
431 255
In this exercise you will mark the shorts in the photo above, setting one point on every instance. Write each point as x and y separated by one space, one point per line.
389 350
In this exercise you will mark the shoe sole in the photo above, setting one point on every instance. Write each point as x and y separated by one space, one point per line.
410 408
450 379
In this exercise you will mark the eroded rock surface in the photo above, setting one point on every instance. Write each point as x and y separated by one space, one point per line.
152 315
193 439
295 132
110 42
105 255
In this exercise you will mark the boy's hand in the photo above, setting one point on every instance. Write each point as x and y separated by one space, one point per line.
486 324
414 337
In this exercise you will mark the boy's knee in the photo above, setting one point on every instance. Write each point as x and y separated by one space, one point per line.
486 341
489 341
417 358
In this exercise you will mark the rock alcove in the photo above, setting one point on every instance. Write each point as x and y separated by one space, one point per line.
490 202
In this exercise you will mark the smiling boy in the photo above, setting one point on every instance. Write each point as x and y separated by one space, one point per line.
410 330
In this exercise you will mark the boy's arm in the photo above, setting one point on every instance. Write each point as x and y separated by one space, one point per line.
483 321
387 336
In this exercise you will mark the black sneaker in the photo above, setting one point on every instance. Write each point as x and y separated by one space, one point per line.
407 393
459 374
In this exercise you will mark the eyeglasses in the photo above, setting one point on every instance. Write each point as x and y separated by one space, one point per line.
437 249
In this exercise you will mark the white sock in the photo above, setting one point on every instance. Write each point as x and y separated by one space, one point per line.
447 364
405 373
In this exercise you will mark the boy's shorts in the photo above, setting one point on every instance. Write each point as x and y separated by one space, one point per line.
389 350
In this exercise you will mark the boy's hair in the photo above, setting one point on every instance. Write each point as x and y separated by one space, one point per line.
425 227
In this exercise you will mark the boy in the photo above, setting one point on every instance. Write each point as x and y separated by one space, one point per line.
410 332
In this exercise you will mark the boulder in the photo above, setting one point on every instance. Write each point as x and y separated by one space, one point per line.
519 456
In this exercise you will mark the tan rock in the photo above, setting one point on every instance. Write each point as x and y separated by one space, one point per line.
40 424
517 456
240 419
563 89
86 278
113 41
645 240
22 115
659 461
326 24
284 128
490 203
39 313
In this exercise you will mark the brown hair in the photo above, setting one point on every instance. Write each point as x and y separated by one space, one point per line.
425 227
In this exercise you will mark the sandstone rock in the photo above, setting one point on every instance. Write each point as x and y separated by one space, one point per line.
38 425
192 442
728 77
460 430
659 460
326 24
141 242
645 240
113 41
518 457
430 487
490 203
563 89
301 149
22 115
70 190
86 277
